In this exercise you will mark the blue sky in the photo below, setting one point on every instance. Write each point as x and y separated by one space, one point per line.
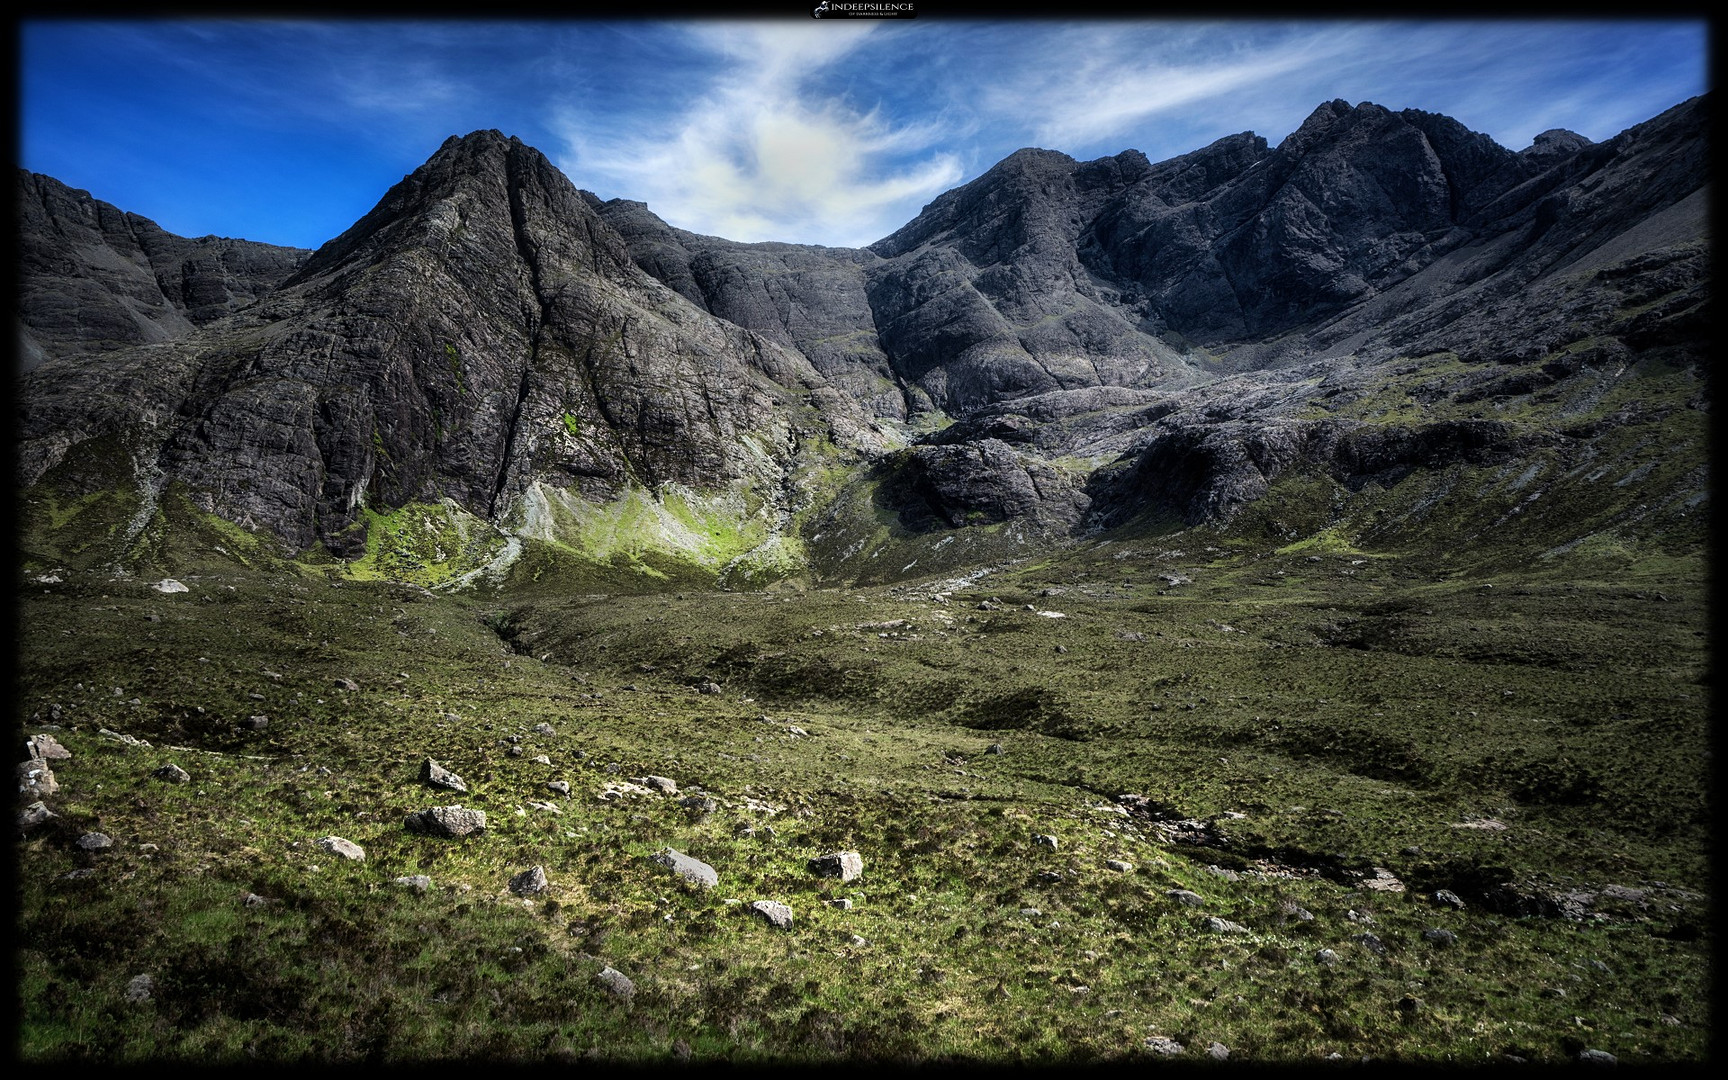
814 132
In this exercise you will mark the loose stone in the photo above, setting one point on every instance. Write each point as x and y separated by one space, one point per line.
695 871
617 982
661 784
46 747
452 822
529 881
36 780
1043 840
35 816
1440 938
1119 866
139 988
1448 898
1185 896
776 914
438 776
342 849
562 787
1215 925
172 773
844 865
95 841
418 883
1164 1046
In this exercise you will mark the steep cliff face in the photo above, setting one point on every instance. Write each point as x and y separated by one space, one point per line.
93 278
480 331
1066 344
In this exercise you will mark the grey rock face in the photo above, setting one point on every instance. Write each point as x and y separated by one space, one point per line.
97 279
845 865
694 871
450 822
492 334
438 776
342 849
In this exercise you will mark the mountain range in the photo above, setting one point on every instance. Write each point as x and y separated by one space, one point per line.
497 361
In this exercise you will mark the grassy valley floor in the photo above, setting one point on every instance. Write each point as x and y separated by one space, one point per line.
1267 775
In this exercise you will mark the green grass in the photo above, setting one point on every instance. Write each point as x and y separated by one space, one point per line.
1354 709
1339 679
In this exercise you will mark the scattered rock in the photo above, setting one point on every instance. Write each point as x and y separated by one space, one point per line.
438 776
663 785
778 915
1046 841
617 982
708 688
1371 942
419 883
1409 1005
698 806
844 865
45 747
1326 956
1049 875
95 841
172 773
842 903
529 882
452 822
253 900
1290 909
1448 898
140 988
995 749
35 816
1218 1052
544 728
169 585
1440 938
36 780
515 751
1226 874
126 740
542 759
1164 1046
1596 1057
347 684
342 849
1031 913
1185 896
78 875
255 723
562 787
1215 925
695 871
1381 880
1119 866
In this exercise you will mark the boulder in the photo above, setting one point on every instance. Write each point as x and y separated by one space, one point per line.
776 914
438 776
617 983
172 773
844 865
45 747
694 871
529 882
342 849
35 780
95 841
452 822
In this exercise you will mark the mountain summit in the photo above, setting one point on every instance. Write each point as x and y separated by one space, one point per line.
1057 345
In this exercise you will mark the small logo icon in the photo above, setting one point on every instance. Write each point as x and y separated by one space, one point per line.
821 10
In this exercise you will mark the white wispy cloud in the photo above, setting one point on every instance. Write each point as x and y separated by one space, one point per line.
761 152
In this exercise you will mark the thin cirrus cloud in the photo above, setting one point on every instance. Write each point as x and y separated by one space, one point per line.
763 152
